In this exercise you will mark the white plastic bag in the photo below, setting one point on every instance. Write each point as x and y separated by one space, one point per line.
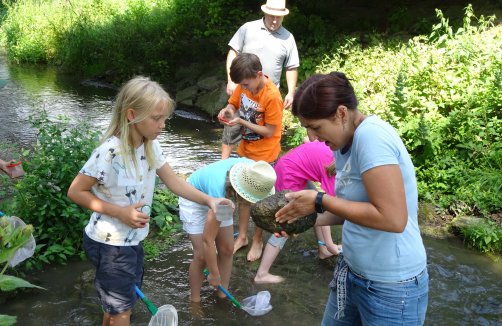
25 252
257 305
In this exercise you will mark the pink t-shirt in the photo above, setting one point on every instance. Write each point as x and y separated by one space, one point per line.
304 163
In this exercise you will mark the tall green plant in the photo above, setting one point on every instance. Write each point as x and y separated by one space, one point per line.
61 150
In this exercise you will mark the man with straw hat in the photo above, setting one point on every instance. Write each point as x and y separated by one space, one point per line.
276 48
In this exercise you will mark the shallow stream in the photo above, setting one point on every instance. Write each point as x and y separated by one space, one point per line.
465 287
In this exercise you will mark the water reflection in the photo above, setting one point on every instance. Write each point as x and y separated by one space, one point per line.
191 139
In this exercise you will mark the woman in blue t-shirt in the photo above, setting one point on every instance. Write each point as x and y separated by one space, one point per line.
381 277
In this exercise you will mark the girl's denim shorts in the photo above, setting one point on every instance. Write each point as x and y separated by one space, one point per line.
118 270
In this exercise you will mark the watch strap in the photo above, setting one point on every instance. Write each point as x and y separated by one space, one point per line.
318 203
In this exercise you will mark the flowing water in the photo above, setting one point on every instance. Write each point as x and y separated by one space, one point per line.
190 139
465 287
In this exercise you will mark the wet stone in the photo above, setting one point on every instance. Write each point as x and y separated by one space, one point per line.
263 214
86 279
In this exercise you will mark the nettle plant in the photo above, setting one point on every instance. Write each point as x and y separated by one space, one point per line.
61 150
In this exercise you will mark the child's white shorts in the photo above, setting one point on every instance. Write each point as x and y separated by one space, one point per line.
194 215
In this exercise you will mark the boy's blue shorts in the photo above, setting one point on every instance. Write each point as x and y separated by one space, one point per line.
118 270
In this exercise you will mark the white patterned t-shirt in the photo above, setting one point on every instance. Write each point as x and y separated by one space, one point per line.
120 188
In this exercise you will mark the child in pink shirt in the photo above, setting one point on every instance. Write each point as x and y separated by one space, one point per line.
305 163
295 171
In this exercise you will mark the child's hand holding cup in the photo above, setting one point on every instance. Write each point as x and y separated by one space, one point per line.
148 210
224 210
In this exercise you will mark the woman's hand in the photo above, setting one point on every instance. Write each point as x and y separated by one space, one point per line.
133 217
214 280
283 234
303 204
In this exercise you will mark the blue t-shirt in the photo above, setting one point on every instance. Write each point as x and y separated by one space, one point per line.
211 178
379 255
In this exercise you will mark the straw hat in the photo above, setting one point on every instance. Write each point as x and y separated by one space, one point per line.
275 8
253 181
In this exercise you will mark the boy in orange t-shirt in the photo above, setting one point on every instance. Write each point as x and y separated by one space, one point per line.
260 106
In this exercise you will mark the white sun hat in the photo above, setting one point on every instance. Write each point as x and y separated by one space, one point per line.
253 181
275 8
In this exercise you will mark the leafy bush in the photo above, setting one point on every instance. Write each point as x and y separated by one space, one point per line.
61 151
164 206
443 94
485 237
296 134
122 38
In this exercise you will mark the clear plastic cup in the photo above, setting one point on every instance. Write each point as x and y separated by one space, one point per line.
224 210
16 169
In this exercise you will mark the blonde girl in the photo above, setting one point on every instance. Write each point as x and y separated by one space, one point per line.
119 174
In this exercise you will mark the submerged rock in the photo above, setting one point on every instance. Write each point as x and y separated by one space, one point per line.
263 214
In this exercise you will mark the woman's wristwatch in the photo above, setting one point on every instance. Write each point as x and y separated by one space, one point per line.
318 203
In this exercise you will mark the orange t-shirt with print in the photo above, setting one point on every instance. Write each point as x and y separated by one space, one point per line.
264 107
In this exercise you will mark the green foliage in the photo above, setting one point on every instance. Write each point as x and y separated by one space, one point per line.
444 100
153 247
11 239
399 19
122 38
7 320
225 18
164 207
40 200
296 134
485 237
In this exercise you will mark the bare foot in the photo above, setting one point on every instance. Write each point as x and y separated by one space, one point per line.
221 295
268 278
255 251
194 298
197 310
324 253
239 243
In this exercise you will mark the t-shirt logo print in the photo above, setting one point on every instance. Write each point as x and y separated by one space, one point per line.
250 111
